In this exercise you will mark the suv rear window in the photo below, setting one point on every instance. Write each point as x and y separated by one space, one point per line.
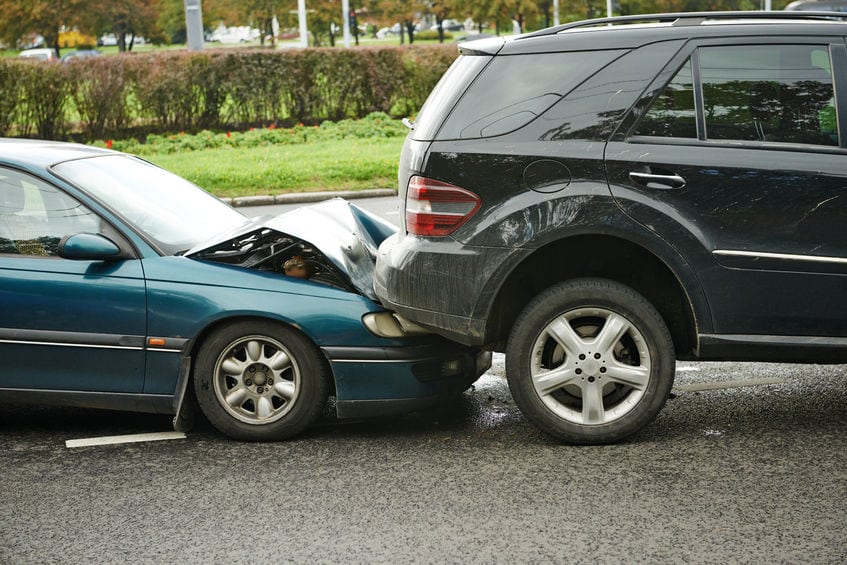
445 94
513 90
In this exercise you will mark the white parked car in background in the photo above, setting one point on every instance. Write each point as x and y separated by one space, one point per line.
41 53
235 34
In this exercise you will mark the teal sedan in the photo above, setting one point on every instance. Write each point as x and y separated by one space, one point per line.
125 287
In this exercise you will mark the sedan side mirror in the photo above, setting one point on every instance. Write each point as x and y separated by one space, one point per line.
89 246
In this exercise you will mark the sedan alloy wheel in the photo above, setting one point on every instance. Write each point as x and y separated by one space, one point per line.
257 380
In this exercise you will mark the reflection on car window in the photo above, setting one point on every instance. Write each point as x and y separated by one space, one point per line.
169 211
769 93
445 94
492 106
35 216
776 93
672 114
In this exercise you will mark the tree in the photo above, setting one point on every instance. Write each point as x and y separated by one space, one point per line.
42 17
260 14
506 13
324 20
665 6
442 9
478 10
404 12
545 8
127 20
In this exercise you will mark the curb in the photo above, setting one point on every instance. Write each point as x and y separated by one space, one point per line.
304 197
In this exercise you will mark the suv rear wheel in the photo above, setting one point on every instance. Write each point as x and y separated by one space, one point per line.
590 361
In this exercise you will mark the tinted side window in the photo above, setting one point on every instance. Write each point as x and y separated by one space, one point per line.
769 93
445 94
35 216
594 109
515 89
781 93
672 114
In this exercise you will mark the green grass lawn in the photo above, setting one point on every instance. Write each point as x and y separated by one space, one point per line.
346 164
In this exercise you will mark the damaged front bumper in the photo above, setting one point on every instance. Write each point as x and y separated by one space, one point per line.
391 380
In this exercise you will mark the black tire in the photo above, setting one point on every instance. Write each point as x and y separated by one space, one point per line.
275 379
611 347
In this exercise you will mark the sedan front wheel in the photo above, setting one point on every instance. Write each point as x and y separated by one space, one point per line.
258 381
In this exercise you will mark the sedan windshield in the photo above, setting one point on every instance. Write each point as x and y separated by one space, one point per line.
173 214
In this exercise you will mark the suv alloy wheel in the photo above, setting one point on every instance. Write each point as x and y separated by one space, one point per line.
590 361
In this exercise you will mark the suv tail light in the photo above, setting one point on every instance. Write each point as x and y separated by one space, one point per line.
436 209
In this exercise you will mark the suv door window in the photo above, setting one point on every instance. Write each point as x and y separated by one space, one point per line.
672 114
765 93
777 93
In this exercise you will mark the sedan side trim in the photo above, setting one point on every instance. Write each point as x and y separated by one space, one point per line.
72 339
129 402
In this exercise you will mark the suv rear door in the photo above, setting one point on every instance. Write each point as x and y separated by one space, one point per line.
738 160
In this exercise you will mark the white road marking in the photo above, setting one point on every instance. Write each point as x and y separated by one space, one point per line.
133 438
697 387
681 369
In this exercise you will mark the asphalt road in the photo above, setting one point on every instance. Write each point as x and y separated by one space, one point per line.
747 464
740 474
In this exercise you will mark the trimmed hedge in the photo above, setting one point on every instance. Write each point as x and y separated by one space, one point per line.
138 94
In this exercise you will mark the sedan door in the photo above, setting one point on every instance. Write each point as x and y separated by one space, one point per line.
65 325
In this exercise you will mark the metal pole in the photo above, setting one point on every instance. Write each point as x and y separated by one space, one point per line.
301 17
609 8
345 15
194 25
555 12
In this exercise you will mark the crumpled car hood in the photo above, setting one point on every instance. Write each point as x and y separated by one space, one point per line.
345 234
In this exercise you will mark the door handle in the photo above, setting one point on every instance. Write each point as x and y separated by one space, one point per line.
657 181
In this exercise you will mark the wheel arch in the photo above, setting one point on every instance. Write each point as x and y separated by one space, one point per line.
601 256
214 326
260 410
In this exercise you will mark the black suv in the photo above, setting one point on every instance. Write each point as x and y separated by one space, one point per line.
601 198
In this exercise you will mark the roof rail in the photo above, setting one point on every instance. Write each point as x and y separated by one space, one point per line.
691 18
